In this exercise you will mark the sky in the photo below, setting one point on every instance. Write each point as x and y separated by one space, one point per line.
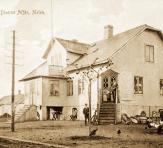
83 20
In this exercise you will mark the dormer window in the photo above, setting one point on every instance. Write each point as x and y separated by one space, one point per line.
149 53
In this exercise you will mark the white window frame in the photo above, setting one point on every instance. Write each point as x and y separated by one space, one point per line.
70 87
139 85
54 88
81 86
149 53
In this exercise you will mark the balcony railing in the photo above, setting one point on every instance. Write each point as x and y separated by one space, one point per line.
56 70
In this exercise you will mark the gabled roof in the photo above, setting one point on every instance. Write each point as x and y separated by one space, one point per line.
37 71
72 46
6 100
104 50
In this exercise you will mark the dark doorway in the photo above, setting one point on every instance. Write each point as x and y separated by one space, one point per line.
51 109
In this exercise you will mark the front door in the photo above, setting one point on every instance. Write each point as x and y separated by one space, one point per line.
109 86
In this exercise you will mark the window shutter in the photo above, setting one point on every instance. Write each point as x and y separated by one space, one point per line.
147 53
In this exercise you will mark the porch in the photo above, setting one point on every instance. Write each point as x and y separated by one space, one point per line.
108 99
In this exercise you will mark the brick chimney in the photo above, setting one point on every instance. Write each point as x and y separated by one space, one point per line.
108 32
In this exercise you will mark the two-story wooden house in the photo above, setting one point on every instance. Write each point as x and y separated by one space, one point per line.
137 57
125 71
48 87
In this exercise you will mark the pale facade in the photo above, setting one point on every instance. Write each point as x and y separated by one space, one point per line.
136 65
46 86
138 71
137 57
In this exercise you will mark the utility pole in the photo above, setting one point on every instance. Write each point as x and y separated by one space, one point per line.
13 85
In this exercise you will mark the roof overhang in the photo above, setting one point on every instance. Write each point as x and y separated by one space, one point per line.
107 61
155 29
41 76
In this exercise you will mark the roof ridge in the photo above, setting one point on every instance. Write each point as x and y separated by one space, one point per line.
73 41
93 44
74 46
142 27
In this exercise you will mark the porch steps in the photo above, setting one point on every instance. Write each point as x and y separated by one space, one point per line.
19 113
107 113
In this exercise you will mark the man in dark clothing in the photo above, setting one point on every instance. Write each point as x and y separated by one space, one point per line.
114 87
86 113
161 115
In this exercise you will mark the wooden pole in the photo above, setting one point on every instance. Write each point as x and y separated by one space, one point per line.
32 98
89 106
52 19
98 97
13 85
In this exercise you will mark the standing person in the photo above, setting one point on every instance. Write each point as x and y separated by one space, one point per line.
114 87
86 113
54 115
161 116
74 114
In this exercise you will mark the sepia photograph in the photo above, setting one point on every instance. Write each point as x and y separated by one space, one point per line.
81 74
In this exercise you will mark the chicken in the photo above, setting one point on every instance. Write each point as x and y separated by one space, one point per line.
118 131
93 132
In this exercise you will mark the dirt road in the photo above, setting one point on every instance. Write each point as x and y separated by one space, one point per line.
61 132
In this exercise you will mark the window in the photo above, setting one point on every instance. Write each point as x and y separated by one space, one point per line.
37 87
81 86
138 85
32 87
149 53
161 86
105 82
52 60
69 88
54 88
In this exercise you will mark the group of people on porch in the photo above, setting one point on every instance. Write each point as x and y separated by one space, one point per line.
109 93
